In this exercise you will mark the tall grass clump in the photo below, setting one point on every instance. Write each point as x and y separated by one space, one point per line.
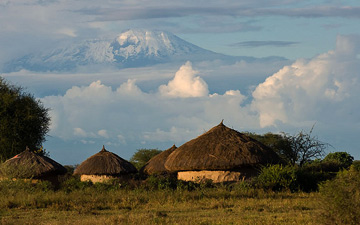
340 198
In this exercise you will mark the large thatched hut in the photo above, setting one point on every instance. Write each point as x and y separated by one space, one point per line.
28 164
103 166
221 154
155 166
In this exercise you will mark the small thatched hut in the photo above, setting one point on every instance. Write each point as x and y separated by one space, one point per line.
28 164
156 164
221 154
103 166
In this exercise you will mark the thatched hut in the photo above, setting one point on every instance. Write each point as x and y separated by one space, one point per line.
28 164
221 154
103 166
155 166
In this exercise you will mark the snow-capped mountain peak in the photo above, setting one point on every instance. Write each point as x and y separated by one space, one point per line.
132 48
134 42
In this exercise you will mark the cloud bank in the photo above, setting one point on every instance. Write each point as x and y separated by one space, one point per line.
254 44
322 90
176 112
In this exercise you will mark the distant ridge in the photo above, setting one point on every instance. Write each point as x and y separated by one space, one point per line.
132 48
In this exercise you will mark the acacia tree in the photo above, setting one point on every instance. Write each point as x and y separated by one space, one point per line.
24 121
305 147
294 149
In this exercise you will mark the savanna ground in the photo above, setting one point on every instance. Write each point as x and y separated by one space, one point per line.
83 203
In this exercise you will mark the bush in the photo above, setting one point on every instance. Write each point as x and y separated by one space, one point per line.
74 183
161 182
292 178
344 159
340 198
309 180
356 165
324 166
277 178
10 187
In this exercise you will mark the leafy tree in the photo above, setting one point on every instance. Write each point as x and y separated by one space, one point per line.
278 142
24 121
142 156
343 158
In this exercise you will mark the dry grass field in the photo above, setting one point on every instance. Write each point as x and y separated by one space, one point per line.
23 203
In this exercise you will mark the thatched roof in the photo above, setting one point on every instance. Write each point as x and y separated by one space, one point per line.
28 164
156 164
221 148
105 163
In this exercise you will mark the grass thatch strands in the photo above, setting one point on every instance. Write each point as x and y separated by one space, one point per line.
156 164
105 163
221 148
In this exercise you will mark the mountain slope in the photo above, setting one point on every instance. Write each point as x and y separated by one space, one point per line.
132 48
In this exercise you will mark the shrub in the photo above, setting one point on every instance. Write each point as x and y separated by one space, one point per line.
9 187
340 198
309 180
277 177
74 183
344 159
324 166
356 165
161 182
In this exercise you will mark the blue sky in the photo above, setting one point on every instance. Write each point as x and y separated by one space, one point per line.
311 25
317 85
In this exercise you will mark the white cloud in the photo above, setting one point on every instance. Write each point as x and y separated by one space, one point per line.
319 89
121 139
103 133
79 132
174 134
139 116
95 90
185 84
129 88
68 32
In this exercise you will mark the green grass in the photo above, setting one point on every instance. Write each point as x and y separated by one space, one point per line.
24 203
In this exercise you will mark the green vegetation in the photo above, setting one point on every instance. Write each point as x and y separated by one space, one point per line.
281 194
297 149
142 156
23 121
20 171
299 191
277 178
86 203
340 197
278 142
344 159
